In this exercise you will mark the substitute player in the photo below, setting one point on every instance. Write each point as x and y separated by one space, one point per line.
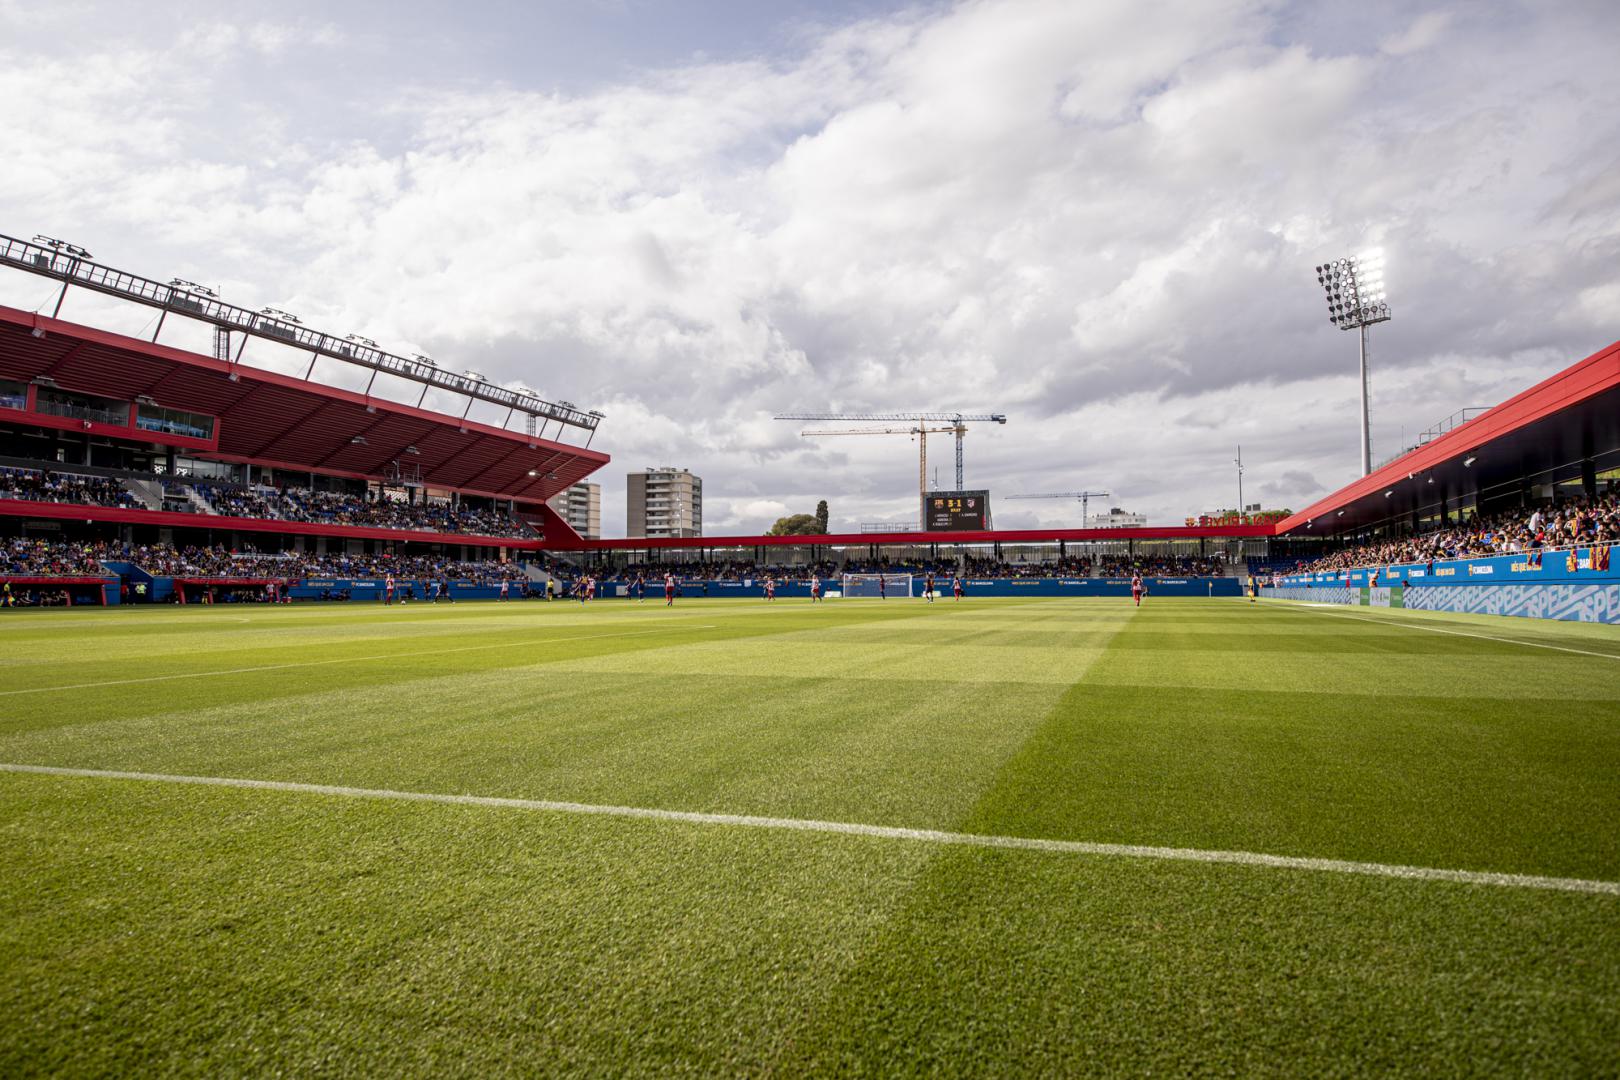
1136 589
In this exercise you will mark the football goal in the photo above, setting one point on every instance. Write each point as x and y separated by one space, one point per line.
875 586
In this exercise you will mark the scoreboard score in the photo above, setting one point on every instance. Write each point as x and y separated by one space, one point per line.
957 511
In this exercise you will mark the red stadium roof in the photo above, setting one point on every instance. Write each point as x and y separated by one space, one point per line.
1562 419
273 419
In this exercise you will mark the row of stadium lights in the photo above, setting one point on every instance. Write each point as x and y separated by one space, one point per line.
62 247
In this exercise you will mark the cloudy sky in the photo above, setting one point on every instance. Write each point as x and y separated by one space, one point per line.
1099 218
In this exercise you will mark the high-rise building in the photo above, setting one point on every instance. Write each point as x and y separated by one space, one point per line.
581 507
663 502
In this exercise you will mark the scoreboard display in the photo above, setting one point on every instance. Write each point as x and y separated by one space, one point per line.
957 511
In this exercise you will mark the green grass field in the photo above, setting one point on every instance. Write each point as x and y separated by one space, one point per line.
152 926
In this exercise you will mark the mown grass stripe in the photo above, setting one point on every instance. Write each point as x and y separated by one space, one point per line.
349 660
886 832
1306 607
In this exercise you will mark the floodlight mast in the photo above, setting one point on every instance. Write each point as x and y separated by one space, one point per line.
1355 296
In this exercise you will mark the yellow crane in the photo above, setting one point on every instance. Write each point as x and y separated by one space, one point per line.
954 423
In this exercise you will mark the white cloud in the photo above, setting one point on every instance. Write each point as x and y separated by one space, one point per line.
1422 33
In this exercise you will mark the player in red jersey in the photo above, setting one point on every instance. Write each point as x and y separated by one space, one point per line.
956 586
1136 589
770 588
815 588
669 590
388 589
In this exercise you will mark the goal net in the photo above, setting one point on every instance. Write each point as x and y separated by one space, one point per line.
873 586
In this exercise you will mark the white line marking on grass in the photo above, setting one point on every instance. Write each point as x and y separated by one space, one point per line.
1326 609
350 660
885 832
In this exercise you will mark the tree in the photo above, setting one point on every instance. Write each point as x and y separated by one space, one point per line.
796 525
821 516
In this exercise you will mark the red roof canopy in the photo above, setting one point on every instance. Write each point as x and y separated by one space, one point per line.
273 419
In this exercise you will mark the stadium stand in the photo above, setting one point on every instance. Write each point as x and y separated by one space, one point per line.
1548 527
52 486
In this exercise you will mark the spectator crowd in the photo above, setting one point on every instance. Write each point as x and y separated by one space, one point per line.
1577 523
267 504
47 485
44 558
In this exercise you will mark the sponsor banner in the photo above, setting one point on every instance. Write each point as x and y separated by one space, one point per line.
1548 568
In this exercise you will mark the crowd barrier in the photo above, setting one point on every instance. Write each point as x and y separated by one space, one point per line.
1578 585
972 586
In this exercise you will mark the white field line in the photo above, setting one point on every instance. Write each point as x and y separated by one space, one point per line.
885 832
350 660
1327 609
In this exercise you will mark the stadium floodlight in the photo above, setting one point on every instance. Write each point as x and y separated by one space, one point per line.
1356 300
358 340
182 285
277 313
62 247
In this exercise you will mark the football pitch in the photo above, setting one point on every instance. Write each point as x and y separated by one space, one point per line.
996 837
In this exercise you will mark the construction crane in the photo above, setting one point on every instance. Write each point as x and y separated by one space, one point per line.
1085 498
954 422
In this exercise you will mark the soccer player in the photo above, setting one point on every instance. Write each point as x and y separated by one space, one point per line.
770 588
641 587
1254 588
669 590
433 597
505 585
388 589
590 587
1136 589
883 588
815 588
928 587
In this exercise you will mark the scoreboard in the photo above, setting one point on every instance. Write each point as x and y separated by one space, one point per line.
957 511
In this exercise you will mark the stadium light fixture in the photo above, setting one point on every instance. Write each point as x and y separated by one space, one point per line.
1469 461
358 440
1356 301
182 285
277 313
62 247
